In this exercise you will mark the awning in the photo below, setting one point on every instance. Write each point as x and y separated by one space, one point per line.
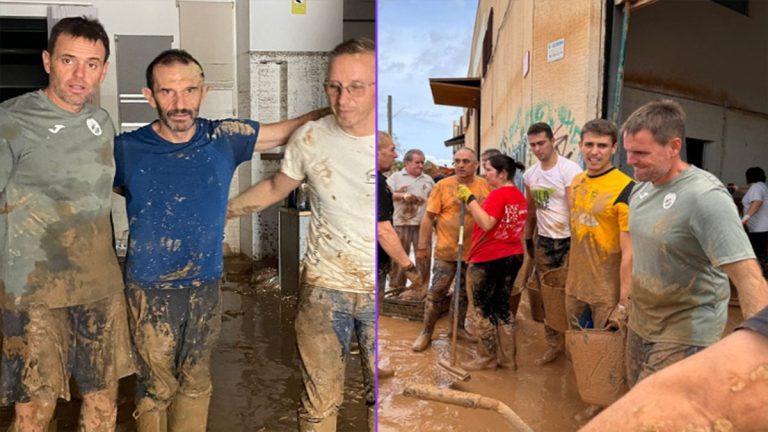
455 141
460 92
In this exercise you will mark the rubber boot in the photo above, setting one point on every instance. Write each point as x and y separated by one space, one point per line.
188 414
462 333
486 358
152 421
431 314
502 359
327 424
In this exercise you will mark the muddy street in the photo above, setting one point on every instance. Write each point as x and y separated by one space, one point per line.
545 397
255 367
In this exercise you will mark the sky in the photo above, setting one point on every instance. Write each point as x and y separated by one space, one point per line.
418 40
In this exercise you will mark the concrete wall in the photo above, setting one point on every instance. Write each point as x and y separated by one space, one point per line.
714 61
564 93
275 28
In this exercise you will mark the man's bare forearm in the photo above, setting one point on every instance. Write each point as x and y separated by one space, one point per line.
276 134
750 283
390 242
261 195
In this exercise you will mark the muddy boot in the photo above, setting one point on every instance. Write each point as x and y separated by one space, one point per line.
431 314
152 421
327 424
188 414
551 355
463 335
486 358
587 414
501 357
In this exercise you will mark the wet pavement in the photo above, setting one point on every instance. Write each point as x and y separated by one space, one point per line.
545 397
255 367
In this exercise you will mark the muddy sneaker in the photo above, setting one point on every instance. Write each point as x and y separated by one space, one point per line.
551 355
422 342
587 414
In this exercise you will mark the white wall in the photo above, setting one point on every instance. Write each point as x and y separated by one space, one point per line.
274 28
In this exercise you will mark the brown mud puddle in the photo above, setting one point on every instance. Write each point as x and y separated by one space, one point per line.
545 397
255 367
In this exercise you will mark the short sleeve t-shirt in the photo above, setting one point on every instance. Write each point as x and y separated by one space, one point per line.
385 210
56 171
508 207
548 190
682 233
599 214
759 221
341 175
410 213
444 204
176 199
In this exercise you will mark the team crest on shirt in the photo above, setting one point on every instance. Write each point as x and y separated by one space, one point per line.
669 200
93 126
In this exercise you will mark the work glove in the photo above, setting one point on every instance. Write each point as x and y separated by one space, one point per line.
412 273
617 319
464 194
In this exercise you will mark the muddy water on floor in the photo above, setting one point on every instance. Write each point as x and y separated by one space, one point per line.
255 368
545 397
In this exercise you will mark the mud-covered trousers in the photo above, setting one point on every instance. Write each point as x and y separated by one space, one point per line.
326 321
174 332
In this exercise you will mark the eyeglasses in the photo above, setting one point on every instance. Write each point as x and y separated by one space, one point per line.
356 88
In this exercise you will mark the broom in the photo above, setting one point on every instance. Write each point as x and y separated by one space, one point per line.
451 367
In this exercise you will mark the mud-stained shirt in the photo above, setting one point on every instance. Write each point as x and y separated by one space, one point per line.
600 212
444 204
341 174
548 191
56 171
176 200
418 188
682 233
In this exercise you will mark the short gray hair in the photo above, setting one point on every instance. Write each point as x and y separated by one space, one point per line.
411 153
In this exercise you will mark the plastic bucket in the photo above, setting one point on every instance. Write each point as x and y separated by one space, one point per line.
553 295
598 363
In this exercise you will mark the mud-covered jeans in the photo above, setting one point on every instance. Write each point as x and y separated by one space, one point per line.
174 333
550 254
645 358
325 323
443 273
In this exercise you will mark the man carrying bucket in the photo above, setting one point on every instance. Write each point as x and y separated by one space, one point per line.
547 191
600 261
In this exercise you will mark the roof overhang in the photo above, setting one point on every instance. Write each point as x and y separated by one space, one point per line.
455 141
459 92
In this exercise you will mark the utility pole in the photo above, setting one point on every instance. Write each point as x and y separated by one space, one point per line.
389 115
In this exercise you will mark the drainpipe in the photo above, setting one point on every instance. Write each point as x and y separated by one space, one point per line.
620 73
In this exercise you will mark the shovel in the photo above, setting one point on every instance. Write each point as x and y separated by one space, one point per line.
450 366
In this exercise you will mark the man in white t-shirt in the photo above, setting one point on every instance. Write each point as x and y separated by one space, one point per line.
547 189
337 301
410 190
756 215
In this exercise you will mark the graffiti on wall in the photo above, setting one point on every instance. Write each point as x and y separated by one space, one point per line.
567 132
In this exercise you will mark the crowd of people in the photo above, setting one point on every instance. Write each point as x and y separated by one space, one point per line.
651 256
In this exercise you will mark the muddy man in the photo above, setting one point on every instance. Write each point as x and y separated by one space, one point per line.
335 155
175 175
61 302
443 213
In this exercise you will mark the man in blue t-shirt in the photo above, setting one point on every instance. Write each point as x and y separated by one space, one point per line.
175 174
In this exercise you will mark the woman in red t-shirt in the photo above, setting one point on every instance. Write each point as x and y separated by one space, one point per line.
495 258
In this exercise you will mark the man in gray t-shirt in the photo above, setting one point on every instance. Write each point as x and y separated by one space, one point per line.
687 241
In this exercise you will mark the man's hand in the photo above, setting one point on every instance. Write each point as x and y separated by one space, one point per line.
464 194
412 273
618 318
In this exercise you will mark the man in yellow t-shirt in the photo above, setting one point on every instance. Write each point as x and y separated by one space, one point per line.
600 261
443 212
